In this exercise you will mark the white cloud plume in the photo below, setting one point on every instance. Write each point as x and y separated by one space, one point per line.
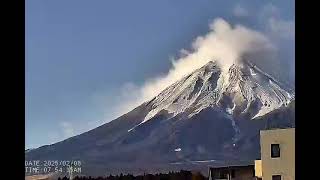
223 43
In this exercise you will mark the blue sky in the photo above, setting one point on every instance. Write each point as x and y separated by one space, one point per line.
81 55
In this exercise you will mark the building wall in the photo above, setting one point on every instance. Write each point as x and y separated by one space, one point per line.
283 165
258 168
244 173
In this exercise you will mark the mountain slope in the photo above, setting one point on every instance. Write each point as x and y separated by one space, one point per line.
209 116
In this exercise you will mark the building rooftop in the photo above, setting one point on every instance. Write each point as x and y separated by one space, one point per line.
273 129
233 164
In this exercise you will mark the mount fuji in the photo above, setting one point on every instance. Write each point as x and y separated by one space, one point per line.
211 116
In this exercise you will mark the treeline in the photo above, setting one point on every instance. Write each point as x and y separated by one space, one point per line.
182 175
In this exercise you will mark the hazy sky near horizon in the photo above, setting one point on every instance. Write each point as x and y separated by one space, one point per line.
83 57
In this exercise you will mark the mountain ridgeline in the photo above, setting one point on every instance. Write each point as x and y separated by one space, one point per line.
210 116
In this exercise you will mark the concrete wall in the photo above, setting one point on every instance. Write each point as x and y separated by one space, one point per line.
258 168
283 165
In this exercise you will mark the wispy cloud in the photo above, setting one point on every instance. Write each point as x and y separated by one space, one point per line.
53 137
240 11
67 129
282 28
269 10
275 23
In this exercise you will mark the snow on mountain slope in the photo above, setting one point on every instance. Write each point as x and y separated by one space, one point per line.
244 83
252 84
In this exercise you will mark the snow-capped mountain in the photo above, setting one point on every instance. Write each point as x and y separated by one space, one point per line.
209 116
244 84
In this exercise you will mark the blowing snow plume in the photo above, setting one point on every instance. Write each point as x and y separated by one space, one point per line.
223 43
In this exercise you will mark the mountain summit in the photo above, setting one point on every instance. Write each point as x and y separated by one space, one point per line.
209 116
244 85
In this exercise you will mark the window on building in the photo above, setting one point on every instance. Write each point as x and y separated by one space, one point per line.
276 177
275 150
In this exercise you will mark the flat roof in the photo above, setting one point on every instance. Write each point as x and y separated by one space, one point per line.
234 165
275 129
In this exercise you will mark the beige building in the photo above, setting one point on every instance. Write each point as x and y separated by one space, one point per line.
277 155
